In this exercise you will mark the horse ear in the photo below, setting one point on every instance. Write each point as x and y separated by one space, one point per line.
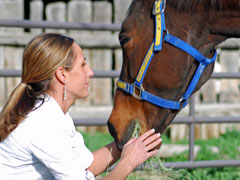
60 75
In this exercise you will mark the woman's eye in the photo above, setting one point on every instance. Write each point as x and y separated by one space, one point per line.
123 40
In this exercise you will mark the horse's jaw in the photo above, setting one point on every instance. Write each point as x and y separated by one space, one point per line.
126 135
157 118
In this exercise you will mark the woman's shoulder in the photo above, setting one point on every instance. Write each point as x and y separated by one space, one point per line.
45 116
48 109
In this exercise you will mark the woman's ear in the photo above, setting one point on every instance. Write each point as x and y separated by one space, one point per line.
60 75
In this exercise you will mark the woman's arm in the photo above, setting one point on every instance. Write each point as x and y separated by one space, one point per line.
104 158
134 153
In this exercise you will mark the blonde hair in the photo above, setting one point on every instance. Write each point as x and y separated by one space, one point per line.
42 56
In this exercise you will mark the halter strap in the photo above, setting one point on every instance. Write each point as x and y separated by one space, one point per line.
136 89
158 9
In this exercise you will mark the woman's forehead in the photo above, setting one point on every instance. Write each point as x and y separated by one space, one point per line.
78 51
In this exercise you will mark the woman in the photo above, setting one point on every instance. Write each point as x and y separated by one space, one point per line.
37 136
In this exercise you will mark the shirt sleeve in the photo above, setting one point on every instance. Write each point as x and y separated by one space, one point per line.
62 152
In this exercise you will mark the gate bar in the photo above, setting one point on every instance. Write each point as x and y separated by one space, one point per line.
115 74
177 120
196 164
189 164
97 74
59 25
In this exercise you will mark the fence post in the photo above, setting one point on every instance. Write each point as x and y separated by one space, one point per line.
81 11
208 94
2 86
36 13
56 12
229 60
120 11
10 57
102 59
229 93
13 9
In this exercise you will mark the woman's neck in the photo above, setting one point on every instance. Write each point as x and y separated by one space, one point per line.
65 104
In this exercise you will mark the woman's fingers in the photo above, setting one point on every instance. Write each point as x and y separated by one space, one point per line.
131 140
152 153
154 144
152 138
146 134
149 140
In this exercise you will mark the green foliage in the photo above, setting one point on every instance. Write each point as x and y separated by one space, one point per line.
96 140
216 174
227 144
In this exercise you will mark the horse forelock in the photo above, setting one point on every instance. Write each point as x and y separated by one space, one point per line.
208 4
214 5
144 3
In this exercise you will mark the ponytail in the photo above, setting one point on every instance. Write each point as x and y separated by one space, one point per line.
10 115
22 100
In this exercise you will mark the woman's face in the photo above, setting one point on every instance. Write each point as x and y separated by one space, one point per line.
77 81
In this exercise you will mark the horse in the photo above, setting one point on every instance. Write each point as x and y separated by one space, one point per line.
168 51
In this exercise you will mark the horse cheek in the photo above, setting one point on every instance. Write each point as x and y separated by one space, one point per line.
125 112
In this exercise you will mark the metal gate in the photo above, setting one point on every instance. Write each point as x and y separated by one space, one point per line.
191 120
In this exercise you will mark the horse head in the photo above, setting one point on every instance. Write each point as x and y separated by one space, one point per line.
201 24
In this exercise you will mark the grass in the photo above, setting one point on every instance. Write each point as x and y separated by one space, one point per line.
97 140
228 145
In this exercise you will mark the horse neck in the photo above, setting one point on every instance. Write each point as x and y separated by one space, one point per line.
195 28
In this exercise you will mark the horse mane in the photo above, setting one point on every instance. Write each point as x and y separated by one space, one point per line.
190 5
214 5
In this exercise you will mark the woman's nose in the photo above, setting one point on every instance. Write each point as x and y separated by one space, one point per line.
90 72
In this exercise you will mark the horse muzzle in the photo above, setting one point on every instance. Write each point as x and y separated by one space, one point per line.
120 141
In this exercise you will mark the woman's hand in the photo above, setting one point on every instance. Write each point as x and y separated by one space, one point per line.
134 153
138 150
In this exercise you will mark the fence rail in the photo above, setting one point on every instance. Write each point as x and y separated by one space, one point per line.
59 25
115 74
190 120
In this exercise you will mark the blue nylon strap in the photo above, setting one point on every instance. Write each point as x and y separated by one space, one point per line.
196 78
188 49
197 56
127 87
144 66
194 81
159 23
160 101
146 96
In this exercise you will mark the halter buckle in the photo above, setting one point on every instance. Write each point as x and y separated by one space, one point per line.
137 91
154 12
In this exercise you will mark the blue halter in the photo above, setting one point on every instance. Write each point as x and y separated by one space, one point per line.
136 89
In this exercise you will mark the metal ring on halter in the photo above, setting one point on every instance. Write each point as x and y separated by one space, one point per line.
182 102
136 88
163 9
164 6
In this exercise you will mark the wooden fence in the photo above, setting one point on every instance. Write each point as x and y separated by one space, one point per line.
217 97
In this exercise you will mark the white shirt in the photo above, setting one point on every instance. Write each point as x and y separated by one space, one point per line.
45 146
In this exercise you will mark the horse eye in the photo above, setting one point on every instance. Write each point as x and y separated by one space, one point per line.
123 40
